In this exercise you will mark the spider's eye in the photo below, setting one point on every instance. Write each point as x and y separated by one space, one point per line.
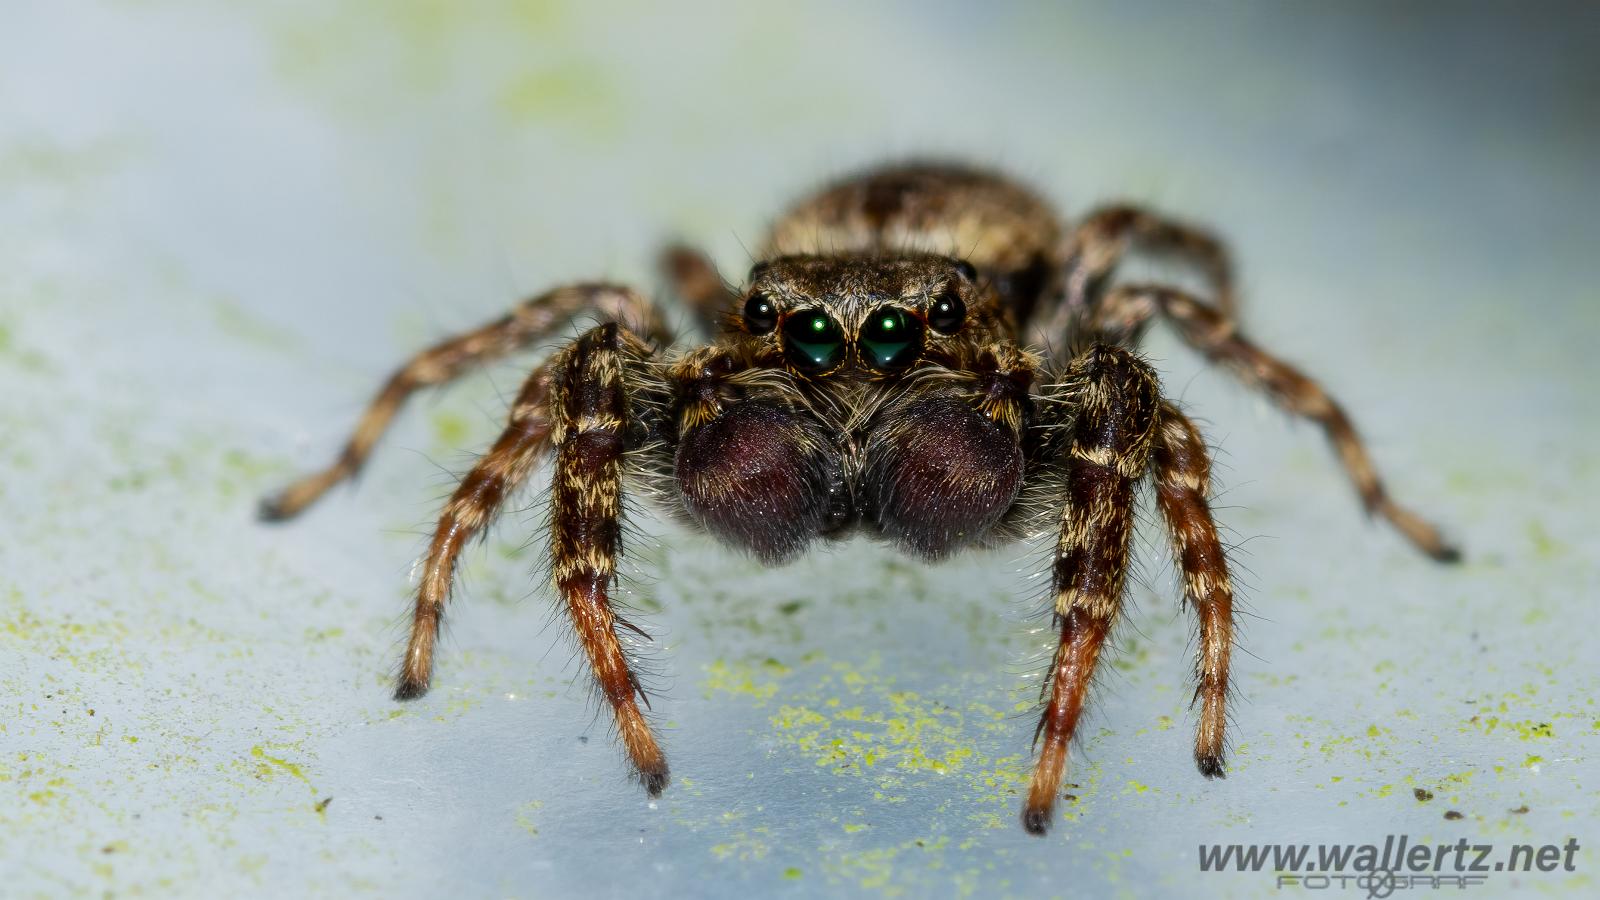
760 314
891 339
947 313
812 341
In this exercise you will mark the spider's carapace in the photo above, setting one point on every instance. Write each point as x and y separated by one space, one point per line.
923 353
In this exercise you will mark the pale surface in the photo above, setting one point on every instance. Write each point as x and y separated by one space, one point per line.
220 230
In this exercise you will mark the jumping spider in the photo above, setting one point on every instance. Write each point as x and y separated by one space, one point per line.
922 354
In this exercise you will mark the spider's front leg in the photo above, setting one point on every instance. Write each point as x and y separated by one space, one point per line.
1117 403
590 411
578 402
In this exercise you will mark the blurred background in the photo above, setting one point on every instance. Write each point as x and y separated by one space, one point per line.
222 226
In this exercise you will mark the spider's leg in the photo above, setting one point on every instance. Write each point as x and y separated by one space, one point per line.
532 320
590 408
1183 483
470 509
1109 450
697 282
1211 332
576 402
1106 235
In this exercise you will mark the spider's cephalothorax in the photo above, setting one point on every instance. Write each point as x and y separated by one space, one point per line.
922 354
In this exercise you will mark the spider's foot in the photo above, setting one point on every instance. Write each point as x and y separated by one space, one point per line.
274 508
1036 820
408 688
1422 535
1211 766
655 780
1446 553
293 500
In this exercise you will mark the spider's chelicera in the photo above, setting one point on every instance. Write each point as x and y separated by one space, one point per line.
924 355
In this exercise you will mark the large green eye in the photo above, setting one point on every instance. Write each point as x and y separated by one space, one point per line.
812 341
891 339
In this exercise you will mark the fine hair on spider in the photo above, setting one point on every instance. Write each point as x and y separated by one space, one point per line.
923 353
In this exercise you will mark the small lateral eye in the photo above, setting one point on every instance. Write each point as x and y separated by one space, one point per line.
947 312
760 314
813 342
891 339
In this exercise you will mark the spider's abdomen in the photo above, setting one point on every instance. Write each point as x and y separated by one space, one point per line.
760 477
940 475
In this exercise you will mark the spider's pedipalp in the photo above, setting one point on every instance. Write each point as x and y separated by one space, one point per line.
945 463
759 476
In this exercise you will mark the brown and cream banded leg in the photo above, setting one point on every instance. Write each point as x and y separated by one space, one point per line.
578 403
1214 334
474 504
1183 485
1105 237
531 321
590 410
1107 454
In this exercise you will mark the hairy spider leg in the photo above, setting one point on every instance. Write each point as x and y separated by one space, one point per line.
475 503
1218 338
695 279
532 320
576 403
1107 235
1109 452
1183 485
590 411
